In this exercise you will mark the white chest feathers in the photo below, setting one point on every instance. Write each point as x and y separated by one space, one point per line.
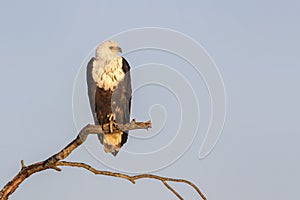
108 75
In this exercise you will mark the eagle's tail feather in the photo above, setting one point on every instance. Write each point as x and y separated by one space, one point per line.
112 142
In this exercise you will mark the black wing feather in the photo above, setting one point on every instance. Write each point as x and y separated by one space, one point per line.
91 89
122 99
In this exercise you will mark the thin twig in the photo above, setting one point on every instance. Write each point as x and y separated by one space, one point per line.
133 179
172 190
95 171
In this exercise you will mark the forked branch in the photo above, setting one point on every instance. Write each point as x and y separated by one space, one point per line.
56 161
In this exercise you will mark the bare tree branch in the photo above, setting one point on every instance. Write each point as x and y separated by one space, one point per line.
133 179
172 190
55 161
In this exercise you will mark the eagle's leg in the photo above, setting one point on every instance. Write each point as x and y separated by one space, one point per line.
111 118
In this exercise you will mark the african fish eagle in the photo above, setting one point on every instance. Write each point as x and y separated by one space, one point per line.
109 91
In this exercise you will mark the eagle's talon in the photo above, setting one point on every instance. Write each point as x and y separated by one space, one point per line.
112 123
111 126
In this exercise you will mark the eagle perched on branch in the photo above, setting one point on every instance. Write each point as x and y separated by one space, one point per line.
109 91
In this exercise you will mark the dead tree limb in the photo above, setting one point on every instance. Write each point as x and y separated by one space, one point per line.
56 161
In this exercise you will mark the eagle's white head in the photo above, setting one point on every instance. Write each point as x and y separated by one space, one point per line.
107 67
108 50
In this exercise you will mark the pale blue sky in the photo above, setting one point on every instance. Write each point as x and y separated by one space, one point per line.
255 44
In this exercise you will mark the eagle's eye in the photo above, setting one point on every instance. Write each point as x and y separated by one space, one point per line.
111 47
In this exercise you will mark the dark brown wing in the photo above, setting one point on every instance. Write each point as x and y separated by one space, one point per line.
121 99
91 89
